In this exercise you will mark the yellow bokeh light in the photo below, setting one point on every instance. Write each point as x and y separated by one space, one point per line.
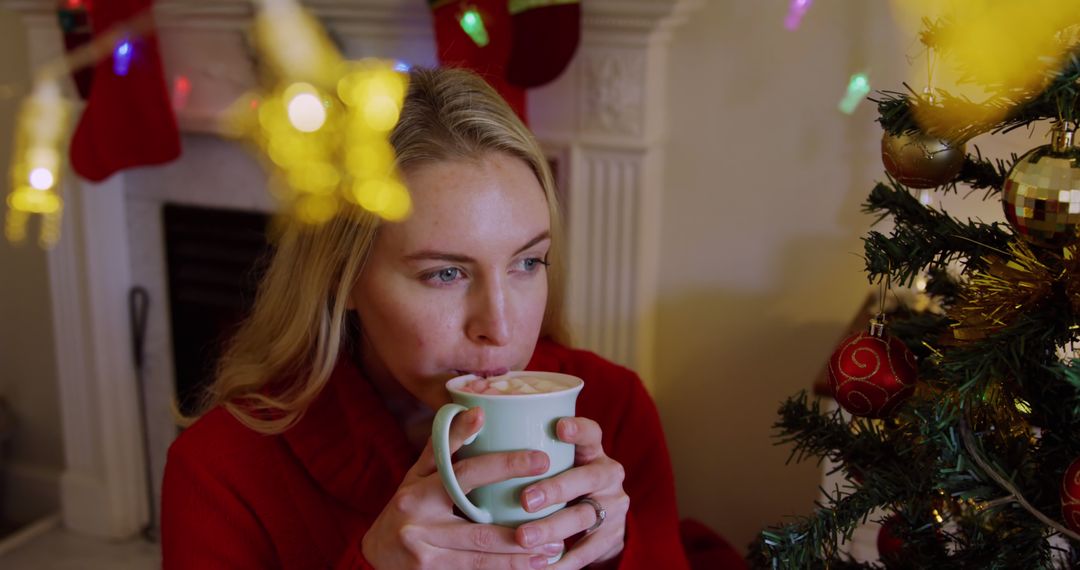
366 192
34 201
370 160
322 121
35 167
386 197
282 151
315 208
272 116
314 177
43 157
398 207
381 112
986 47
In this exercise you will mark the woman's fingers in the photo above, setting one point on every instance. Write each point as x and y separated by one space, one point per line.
557 527
593 548
574 519
494 467
585 434
487 561
485 538
601 475
462 428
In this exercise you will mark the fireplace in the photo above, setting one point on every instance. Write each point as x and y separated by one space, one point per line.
214 261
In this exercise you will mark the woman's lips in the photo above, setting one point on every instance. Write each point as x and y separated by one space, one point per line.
484 373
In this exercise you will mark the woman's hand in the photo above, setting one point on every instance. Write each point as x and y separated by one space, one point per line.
418 528
596 476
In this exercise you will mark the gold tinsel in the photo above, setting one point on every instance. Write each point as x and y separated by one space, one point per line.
993 297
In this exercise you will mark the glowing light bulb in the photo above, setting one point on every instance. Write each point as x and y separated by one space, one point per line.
925 198
473 24
796 11
181 90
122 58
858 87
306 112
42 178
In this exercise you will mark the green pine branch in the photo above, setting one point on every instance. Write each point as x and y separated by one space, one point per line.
923 238
1058 100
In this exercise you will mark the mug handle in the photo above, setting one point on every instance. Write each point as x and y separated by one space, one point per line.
440 443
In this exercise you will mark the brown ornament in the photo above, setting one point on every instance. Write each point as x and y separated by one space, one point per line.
918 160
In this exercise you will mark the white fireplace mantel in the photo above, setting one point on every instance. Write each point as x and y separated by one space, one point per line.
603 119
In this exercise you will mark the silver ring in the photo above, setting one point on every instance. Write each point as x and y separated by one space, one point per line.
601 513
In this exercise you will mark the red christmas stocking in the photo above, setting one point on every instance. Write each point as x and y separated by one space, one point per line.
475 35
128 120
546 35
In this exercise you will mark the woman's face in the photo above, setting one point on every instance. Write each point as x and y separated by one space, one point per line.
460 286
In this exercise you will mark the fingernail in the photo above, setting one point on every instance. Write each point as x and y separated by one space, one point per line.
538 562
569 428
530 535
533 499
538 460
553 548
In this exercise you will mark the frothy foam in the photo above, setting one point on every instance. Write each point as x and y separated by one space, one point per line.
517 385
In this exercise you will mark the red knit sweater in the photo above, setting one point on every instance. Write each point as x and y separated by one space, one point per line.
234 498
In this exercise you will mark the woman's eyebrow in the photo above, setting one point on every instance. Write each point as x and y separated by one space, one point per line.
432 254
539 238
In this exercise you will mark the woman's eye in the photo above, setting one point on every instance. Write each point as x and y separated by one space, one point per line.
532 263
446 275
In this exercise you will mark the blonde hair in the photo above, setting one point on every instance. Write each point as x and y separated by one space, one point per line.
284 352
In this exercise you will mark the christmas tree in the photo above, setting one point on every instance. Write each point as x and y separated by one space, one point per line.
962 427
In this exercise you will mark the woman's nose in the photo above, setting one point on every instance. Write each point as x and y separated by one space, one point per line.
488 322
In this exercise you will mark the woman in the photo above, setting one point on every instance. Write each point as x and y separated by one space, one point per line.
314 450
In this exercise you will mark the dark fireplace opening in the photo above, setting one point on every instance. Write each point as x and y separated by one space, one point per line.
215 259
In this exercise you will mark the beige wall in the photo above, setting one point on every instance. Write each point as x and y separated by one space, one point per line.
761 268
27 365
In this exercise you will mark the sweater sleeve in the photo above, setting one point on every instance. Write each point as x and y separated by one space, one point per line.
353 559
205 524
652 525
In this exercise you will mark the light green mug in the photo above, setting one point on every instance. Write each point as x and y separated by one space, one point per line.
512 422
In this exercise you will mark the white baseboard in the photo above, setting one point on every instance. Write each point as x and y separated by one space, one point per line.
28 533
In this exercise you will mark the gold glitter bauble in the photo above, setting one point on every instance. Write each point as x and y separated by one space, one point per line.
1041 196
921 161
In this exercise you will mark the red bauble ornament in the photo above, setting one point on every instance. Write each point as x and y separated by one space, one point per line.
872 373
888 544
1070 496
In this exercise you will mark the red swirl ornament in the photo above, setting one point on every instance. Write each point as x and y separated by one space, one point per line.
1070 496
888 544
871 373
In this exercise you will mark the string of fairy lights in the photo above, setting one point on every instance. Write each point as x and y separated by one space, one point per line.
320 122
